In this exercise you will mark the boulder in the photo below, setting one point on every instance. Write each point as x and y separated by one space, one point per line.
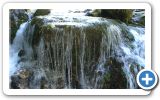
42 12
124 15
21 79
24 74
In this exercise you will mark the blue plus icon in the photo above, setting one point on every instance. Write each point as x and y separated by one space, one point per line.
147 79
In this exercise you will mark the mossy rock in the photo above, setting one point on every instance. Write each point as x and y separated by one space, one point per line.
124 15
37 21
42 12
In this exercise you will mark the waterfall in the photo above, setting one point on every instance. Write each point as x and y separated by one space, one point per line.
71 50
20 49
137 55
17 45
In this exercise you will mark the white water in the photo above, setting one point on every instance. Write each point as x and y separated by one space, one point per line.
70 17
137 54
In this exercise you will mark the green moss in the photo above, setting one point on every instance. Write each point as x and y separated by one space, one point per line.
47 28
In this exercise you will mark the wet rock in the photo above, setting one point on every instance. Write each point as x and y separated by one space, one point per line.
21 79
42 12
21 53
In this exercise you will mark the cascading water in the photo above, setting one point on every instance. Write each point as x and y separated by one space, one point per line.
71 50
21 45
17 45
136 55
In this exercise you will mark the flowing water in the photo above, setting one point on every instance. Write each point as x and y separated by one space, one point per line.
77 51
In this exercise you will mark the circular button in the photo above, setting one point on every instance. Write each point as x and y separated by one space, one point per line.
147 79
